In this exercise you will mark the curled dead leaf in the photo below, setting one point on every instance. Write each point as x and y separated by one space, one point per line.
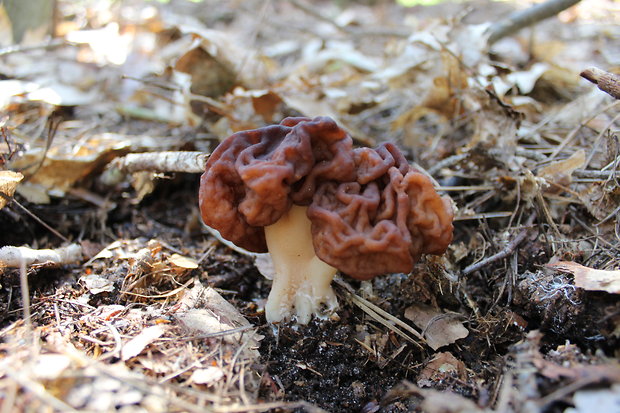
440 329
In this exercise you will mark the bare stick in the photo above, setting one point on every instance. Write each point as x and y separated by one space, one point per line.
590 174
447 162
23 279
183 161
39 220
607 82
505 252
14 256
528 17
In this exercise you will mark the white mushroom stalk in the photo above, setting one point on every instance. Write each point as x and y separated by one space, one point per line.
301 282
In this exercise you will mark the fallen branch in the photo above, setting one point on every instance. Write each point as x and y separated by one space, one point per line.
13 256
182 161
605 81
528 17
591 174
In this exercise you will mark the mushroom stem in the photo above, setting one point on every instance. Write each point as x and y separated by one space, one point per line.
302 282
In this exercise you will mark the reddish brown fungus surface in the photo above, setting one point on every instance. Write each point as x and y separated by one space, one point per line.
371 212
252 177
383 221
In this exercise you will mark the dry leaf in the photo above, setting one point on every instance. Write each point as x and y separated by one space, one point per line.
441 365
110 44
183 262
135 346
440 328
266 104
442 98
525 80
589 278
560 172
596 198
448 402
6 32
264 264
207 376
69 162
8 183
96 284
34 193
444 401
204 311
211 76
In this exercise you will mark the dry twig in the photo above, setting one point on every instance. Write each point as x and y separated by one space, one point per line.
505 252
528 17
39 220
13 256
182 161
605 81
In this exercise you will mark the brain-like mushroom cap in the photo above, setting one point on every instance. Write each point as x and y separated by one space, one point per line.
383 221
371 212
252 178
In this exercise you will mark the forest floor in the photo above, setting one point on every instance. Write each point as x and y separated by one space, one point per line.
123 300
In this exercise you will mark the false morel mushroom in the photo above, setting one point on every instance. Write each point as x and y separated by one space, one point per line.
301 192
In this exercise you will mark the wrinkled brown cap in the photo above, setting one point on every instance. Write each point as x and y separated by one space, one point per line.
371 212
383 221
252 178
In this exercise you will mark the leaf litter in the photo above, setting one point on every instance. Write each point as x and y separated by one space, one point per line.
104 130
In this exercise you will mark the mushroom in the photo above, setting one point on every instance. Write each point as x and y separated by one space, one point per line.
300 191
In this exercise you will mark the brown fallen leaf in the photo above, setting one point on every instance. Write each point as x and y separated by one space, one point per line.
439 367
559 172
266 103
589 278
439 328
